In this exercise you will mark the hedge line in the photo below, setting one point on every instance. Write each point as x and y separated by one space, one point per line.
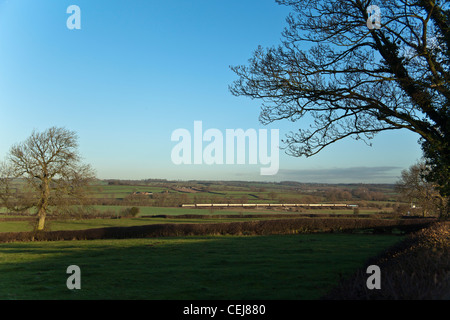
266 227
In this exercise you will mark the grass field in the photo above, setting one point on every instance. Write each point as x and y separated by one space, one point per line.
19 226
151 210
285 267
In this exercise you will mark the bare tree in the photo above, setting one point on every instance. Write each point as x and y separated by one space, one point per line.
415 189
45 172
354 78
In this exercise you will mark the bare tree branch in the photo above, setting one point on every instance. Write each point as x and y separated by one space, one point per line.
355 81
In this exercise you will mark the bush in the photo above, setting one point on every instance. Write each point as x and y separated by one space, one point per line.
130 212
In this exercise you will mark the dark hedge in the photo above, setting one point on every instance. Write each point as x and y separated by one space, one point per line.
266 227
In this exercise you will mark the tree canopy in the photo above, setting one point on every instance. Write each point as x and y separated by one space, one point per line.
44 172
355 78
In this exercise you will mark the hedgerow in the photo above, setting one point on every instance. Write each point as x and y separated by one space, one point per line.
263 227
417 268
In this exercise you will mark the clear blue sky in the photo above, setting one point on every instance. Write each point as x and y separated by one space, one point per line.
137 70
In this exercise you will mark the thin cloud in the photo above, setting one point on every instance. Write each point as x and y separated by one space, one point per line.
382 174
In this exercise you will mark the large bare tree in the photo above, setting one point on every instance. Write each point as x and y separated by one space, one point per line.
356 68
45 172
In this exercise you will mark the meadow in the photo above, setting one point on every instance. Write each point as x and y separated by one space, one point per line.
83 224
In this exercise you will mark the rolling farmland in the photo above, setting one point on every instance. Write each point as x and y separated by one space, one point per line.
299 224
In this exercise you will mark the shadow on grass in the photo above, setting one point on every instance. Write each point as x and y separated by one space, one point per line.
284 267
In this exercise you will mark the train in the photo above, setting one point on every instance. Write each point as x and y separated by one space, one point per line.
266 205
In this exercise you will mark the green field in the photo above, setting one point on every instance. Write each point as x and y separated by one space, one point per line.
112 197
19 226
302 266
239 267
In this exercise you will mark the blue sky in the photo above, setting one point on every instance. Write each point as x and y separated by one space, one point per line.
138 70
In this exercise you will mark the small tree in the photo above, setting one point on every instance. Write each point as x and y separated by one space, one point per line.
272 195
44 172
131 212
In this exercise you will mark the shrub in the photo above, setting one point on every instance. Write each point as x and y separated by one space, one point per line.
130 212
437 236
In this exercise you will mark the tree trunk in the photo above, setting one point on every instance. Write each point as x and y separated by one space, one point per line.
41 222
43 204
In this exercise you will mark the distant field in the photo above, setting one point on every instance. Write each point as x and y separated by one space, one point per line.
69 224
178 210
151 210
121 191
114 196
166 210
227 267
19 226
